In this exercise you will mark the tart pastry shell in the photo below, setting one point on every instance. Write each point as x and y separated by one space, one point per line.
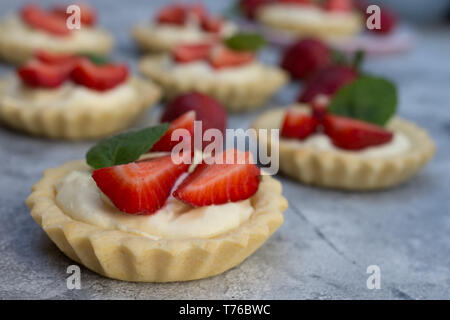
80 122
236 97
306 28
130 257
342 170
148 40
18 51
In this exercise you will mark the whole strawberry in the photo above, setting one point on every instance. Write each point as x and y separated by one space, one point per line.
306 57
207 110
327 81
388 21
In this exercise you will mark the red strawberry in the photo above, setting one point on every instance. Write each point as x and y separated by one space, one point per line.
172 14
55 58
215 184
38 74
211 24
97 77
298 124
319 107
185 121
37 18
207 110
352 134
191 52
88 15
140 187
327 81
66 61
305 57
250 7
388 21
222 57
339 5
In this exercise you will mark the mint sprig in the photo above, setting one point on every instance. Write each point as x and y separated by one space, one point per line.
245 42
124 147
371 99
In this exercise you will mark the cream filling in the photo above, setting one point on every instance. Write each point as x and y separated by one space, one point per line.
253 71
14 30
398 145
78 196
306 14
69 95
189 33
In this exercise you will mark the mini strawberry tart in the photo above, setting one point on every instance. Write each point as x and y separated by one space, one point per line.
354 143
324 19
228 71
152 219
36 28
70 97
181 24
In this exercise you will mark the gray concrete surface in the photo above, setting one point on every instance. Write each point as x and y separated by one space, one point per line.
329 237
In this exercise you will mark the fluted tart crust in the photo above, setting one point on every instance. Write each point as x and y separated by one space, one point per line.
348 170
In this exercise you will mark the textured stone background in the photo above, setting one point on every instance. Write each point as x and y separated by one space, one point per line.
329 237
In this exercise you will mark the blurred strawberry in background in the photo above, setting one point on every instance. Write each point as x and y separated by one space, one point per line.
208 110
388 21
327 81
306 57
250 7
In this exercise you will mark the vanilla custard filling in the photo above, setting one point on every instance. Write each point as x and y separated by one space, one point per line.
253 71
306 14
69 94
14 29
79 197
321 142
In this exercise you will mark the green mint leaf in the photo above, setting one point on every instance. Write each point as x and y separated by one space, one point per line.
371 99
125 147
245 42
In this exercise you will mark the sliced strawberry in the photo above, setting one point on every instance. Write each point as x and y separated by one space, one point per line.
215 184
55 58
99 78
352 134
37 18
327 81
339 5
251 7
222 57
140 187
211 24
38 74
320 107
298 124
172 14
185 121
66 61
88 15
191 52
306 57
